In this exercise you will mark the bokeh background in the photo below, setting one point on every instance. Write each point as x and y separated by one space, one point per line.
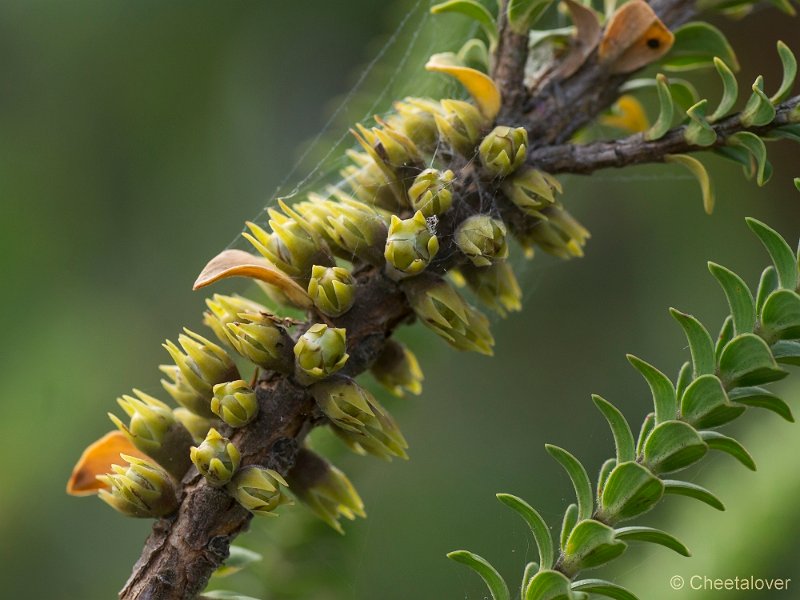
135 139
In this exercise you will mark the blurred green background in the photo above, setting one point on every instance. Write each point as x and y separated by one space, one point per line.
135 139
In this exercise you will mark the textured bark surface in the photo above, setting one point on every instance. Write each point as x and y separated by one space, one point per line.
183 550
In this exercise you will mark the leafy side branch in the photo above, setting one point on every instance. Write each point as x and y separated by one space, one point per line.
723 379
423 215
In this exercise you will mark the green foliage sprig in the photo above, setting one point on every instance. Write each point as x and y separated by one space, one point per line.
722 380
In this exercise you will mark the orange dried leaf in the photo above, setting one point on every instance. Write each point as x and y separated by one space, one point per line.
238 263
587 36
97 460
634 38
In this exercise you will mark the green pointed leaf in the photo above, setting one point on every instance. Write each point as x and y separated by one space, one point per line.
705 404
664 399
691 490
497 587
631 490
600 587
730 90
699 171
726 334
696 45
698 132
758 110
648 425
530 570
723 443
787 132
700 343
474 54
672 446
523 14
780 317
623 438
683 93
782 255
746 360
789 63
654 536
549 585
758 397
766 285
738 155
568 524
580 480
605 471
787 352
666 110
238 559
740 300
684 379
797 185
540 530
755 146
475 11
590 544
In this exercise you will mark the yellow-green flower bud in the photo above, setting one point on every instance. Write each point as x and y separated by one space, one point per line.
430 193
258 490
560 234
292 246
410 246
235 403
495 286
370 184
388 145
196 425
226 309
531 190
320 352
503 151
141 490
442 309
216 458
482 239
359 419
154 430
460 125
202 363
183 393
262 340
397 369
324 489
332 289
414 117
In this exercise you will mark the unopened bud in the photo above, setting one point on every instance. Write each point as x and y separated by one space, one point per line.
258 490
503 151
216 458
495 286
154 430
324 489
460 125
196 425
332 289
183 393
482 239
262 340
560 234
224 310
320 352
531 190
235 403
430 193
397 369
141 490
411 245
202 363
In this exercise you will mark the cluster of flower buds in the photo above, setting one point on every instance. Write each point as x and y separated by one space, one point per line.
224 310
414 117
320 352
154 430
559 234
332 289
358 419
141 490
397 369
503 151
217 459
258 490
482 239
460 125
430 193
324 489
411 246
235 403
442 309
